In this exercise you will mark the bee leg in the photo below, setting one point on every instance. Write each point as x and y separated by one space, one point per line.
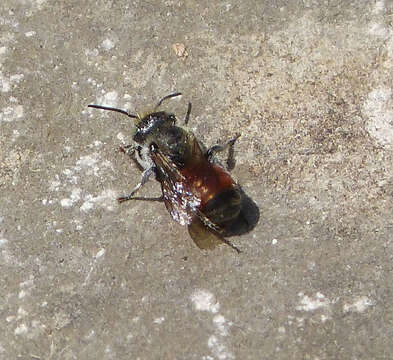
159 199
145 178
187 118
128 149
218 148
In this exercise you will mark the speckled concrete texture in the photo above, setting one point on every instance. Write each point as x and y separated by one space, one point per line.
307 84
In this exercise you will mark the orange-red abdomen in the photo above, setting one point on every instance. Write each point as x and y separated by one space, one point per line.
205 180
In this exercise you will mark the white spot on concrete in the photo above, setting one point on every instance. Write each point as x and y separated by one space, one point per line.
21 313
3 241
97 143
27 283
360 305
66 203
379 7
221 324
378 30
100 253
311 265
90 335
120 136
7 257
389 50
159 320
74 197
108 44
10 113
314 303
88 163
274 241
16 78
30 33
6 83
78 224
22 294
71 178
54 185
109 99
38 3
87 205
21 329
203 300
324 318
10 318
300 321
15 134
91 53
218 348
378 108
107 200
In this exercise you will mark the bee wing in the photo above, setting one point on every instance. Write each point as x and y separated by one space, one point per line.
178 201
202 236
167 170
183 206
206 234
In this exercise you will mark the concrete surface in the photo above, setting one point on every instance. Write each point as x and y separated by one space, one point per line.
309 86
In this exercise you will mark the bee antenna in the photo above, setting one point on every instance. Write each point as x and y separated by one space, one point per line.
114 109
187 118
167 97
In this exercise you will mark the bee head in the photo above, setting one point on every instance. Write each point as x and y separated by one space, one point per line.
151 125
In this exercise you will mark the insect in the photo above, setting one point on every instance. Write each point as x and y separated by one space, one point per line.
196 189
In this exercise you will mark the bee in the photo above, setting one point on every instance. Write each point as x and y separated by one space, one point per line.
196 189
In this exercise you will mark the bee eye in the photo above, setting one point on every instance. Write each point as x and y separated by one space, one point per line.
153 147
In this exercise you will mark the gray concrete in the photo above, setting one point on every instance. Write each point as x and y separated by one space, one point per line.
309 86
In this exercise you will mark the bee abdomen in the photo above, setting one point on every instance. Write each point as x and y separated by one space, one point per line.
224 206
